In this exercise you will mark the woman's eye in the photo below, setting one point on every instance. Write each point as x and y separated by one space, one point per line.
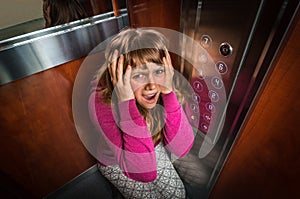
160 71
137 76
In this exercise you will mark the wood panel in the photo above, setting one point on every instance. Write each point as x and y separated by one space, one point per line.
155 13
100 6
39 146
265 161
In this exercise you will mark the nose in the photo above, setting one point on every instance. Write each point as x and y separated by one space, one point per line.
151 84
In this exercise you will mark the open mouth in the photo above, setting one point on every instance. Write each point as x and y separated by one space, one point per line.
150 97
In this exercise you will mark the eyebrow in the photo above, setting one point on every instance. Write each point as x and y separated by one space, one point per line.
144 66
141 67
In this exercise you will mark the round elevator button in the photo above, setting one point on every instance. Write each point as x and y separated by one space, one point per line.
225 49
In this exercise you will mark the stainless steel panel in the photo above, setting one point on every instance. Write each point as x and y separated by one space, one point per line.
255 31
35 52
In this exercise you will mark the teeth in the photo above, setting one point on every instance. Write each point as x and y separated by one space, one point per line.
149 96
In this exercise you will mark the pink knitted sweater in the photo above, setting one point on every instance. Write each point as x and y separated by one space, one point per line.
126 140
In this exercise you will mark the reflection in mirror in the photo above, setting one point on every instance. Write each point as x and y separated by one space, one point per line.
33 15
58 12
30 51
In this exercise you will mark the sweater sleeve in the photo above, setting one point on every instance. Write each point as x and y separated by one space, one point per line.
129 139
178 133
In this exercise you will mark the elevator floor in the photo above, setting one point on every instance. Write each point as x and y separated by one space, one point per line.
90 184
193 171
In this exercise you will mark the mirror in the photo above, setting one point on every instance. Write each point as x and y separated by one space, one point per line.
20 17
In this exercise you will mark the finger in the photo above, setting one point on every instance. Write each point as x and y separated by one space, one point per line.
120 68
168 58
127 75
113 65
168 67
165 62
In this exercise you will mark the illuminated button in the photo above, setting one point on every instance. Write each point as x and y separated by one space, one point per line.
204 127
225 49
210 107
195 118
205 41
196 98
207 117
195 108
221 67
213 95
198 86
217 82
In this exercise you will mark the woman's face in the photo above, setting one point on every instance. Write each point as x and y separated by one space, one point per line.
146 81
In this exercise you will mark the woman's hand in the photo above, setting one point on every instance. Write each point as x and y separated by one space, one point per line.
169 73
120 82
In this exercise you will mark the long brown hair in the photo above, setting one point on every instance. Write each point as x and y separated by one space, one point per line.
139 46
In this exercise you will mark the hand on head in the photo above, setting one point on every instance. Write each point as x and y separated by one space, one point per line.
120 82
169 73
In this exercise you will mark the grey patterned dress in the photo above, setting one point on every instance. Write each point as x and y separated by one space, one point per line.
167 184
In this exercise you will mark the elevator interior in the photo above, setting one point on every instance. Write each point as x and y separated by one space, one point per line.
238 45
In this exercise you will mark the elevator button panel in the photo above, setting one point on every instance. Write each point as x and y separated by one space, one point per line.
207 81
